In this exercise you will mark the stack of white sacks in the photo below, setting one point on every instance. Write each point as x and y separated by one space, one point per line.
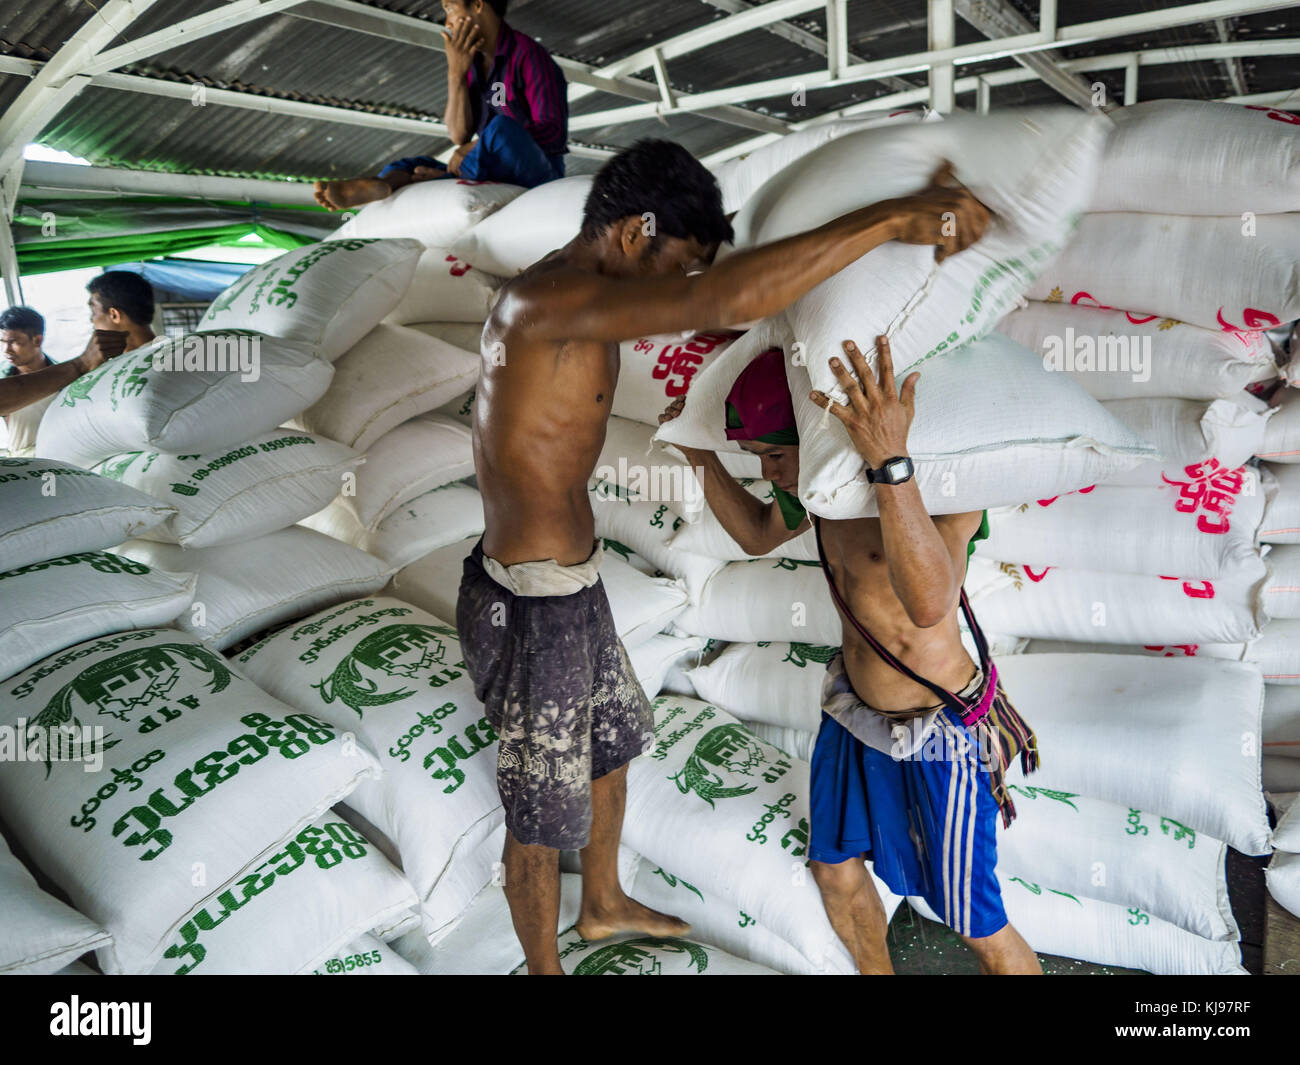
344 465
1133 491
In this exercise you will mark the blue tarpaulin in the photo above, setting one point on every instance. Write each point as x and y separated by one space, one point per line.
186 280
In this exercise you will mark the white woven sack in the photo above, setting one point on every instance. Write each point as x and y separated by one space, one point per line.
258 487
1221 272
323 888
1075 926
246 586
1246 159
533 225
38 933
1121 355
327 295
1099 606
389 377
431 520
445 289
1282 433
434 213
148 399
1202 526
196 764
49 605
1150 733
655 370
1281 524
427 452
50 508
394 676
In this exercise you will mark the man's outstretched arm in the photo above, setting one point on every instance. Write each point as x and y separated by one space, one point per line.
22 390
750 284
926 556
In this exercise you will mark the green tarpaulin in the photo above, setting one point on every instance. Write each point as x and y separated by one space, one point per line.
67 235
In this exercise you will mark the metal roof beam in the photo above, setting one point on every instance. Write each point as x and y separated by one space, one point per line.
583 78
998 18
55 83
1008 47
1018 75
723 29
234 13
1231 67
71 179
941 34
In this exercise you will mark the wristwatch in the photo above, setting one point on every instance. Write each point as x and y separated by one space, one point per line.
894 471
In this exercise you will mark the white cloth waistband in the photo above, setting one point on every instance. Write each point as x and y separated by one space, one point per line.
547 577
900 738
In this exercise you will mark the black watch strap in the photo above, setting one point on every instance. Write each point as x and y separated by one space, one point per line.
891 471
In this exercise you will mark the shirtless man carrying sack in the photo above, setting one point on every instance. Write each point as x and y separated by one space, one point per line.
915 737
534 622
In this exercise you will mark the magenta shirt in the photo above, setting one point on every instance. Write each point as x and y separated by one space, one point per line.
536 94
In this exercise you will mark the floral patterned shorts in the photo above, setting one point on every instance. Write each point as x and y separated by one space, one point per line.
560 692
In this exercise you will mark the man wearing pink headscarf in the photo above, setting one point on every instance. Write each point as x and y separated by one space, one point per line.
878 791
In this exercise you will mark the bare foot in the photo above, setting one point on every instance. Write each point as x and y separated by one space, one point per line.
337 195
628 915
427 173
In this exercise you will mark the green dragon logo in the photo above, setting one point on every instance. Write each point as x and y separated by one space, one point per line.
726 747
127 682
803 653
633 957
395 651
673 881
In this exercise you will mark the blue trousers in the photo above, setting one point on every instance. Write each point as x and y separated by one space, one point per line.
928 824
505 152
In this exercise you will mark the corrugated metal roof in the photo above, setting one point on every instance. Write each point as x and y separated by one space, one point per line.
299 58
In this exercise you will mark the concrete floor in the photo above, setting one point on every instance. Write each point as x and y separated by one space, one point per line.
919 946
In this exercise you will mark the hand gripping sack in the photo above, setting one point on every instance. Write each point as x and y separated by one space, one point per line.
327 295
1033 167
197 764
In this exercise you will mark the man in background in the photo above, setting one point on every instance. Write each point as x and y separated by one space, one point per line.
122 302
22 332
31 380
507 111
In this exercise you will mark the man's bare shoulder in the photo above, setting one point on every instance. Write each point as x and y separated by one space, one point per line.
532 294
